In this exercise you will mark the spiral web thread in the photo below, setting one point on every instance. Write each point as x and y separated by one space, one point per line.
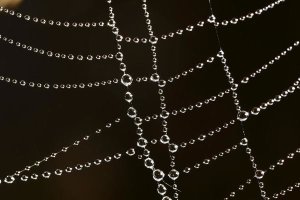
174 174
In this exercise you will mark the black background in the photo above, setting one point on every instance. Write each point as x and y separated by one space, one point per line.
36 122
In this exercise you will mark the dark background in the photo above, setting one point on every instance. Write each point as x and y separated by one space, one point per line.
36 122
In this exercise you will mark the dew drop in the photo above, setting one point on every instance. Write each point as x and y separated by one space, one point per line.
131 112
158 175
173 174
154 77
161 189
126 80
153 40
142 142
255 111
244 142
173 147
130 152
119 56
259 174
149 163
164 114
165 139
9 179
242 116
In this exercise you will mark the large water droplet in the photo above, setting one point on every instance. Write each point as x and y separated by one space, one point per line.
154 77
242 116
119 56
9 179
259 174
162 83
165 139
255 111
131 112
158 175
142 142
126 80
164 114
138 121
111 22
173 148
173 174
153 39
149 163
161 189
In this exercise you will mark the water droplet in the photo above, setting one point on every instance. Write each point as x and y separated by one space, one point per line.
154 141
126 80
142 142
234 86
123 67
46 174
211 19
161 189
245 80
259 174
130 152
111 22
173 147
164 114
149 163
131 112
165 139
187 170
153 39
58 172
154 77
158 175
255 111
206 161
9 179
166 198
24 178
201 138
173 174
119 56
138 121
162 83
243 116
244 142
139 131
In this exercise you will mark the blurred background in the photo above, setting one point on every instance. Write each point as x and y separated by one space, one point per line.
36 122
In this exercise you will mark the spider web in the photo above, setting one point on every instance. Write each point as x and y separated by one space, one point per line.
180 111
